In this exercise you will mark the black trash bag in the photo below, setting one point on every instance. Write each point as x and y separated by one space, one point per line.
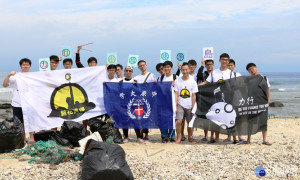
105 129
51 135
95 123
117 137
103 160
74 131
11 135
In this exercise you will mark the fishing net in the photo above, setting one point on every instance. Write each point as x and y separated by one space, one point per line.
49 152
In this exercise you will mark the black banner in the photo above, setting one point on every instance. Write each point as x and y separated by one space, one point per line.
237 106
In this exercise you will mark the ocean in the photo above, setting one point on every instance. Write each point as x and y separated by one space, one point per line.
285 88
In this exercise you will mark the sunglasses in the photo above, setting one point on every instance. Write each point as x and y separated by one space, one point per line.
128 70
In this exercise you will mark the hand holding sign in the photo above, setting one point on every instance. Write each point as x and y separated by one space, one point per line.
66 52
44 64
111 58
180 57
208 53
165 55
133 60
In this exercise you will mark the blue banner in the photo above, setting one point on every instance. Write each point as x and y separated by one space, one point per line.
139 106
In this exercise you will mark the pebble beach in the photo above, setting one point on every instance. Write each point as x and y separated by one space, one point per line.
156 160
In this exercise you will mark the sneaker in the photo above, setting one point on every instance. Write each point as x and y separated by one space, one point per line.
125 140
140 141
165 140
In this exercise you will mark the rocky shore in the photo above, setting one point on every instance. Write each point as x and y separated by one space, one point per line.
155 160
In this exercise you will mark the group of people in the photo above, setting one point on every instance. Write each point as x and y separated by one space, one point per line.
185 85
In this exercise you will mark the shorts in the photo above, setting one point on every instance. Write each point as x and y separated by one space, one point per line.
181 112
17 111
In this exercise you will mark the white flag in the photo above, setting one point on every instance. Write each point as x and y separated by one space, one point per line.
49 98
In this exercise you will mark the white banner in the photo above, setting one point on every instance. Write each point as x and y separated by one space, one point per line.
49 98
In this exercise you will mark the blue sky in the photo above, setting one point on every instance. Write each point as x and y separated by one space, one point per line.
265 32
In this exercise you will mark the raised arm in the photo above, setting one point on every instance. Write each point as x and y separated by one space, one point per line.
200 71
179 67
78 63
6 80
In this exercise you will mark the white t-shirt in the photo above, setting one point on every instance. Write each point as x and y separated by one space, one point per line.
192 76
185 90
125 81
111 80
217 74
141 78
167 79
15 102
119 79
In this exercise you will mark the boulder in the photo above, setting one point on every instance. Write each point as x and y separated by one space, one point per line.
276 104
5 106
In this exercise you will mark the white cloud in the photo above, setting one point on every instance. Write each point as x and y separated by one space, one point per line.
182 14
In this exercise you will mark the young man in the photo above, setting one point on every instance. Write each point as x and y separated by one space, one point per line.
92 61
232 66
111 69
168 134
185 98
160 69
128 79
68 63
252 69
144 77
10 79
119 71
54 61
222 73
192 66
201 77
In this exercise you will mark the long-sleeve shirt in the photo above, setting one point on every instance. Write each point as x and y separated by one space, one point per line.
78 63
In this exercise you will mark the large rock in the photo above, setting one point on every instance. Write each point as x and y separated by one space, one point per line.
5 106
276 104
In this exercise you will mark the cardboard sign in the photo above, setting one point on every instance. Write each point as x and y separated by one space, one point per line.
165 55
208 53
66 52
111 58
133 60
44 64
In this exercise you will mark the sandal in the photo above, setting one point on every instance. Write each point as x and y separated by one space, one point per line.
235 142
242 140
247 142
227 140
172 140
192 140
204 140
212 140
267 143
183 138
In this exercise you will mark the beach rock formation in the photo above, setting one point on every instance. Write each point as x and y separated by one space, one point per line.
276 104
5 106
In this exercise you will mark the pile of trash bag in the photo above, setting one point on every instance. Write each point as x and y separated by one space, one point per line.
69 135
102 160
11 134
49 152
105 126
